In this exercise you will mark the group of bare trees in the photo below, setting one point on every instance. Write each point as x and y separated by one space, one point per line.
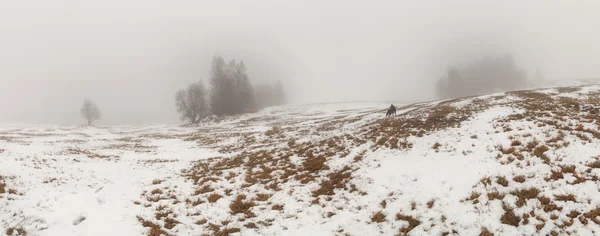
231 93
489 75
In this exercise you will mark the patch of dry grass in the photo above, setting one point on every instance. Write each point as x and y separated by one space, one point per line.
525 194
412 223
239 205
501 180
214 197
378 217
2 185
519 178
509 218
430 203
565 198
155 230
18 230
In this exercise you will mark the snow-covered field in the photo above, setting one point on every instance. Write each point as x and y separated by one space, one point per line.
518 163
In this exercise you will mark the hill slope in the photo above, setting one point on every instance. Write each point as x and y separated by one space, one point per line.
523 162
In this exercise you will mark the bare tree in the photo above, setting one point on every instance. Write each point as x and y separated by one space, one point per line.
90 111
191 103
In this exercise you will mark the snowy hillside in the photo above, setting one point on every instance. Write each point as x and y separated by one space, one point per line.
517 163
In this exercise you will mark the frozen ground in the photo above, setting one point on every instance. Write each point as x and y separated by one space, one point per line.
518 163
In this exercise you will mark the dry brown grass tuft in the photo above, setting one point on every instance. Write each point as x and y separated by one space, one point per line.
568 169
519 178
525 194
574 214
2 185
240 206
539 151
430 203
170 223
18 230
556 175
204 189
548 205
251 225
47 181
277 207
201 222
214 197
502 181
157 181
275 130
509 218
485 232
593 215
335 180
315 164
157 191
412 223
565 198
155 230
595 164
495 196
263 197
378 217
508 150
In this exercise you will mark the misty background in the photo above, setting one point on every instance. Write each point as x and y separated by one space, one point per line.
130 57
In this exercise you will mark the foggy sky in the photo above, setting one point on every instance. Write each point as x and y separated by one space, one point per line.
131 56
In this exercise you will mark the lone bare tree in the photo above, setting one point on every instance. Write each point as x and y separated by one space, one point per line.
192 103
90 111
